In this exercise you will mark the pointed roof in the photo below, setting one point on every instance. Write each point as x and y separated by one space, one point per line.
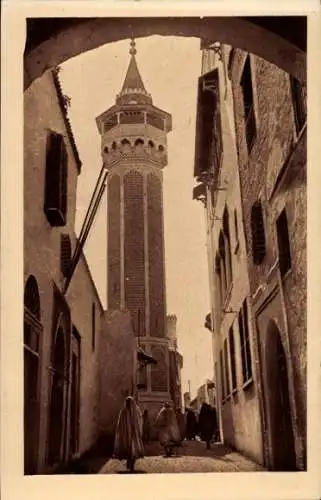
133 80
133 87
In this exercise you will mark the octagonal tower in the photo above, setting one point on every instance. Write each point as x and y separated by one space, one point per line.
134 149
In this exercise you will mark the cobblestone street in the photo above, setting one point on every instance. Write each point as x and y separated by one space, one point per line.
192 457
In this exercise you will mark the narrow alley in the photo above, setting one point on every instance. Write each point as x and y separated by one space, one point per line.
165 277
191 457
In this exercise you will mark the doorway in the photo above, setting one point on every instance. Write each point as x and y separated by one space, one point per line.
58 389
278 405
75 392
31 331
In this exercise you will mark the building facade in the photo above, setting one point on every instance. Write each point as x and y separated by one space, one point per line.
270 123
250 164
216 169
61 333
134 149
72 395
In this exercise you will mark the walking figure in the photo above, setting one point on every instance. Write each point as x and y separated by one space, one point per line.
168 432
146 427
128 438
207 424
191 424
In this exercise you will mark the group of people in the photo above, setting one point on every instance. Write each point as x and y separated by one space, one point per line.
133 429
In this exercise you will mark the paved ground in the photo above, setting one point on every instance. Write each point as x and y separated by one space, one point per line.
192 457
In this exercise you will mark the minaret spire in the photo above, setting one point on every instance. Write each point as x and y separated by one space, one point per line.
133 89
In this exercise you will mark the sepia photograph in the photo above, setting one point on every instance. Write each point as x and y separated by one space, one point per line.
165 245
163 274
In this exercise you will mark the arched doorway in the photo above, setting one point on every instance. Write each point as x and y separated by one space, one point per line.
52 41
31 332
57 399
277 401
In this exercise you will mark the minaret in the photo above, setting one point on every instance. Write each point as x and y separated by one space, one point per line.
134 149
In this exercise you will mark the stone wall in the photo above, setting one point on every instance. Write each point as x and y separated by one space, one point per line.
239 410
117 355
274 171
42 259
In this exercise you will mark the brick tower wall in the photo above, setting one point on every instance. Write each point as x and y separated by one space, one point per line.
113 202
156 256
134 248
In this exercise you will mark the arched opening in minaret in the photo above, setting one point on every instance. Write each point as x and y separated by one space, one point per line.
139 142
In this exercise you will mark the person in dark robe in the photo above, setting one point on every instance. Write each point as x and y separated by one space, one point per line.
216 435
168 432
191 424
128 437
146 427
180 417
207 424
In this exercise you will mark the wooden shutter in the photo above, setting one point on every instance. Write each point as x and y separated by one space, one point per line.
207 99
283 243
258 233
65 254
55 206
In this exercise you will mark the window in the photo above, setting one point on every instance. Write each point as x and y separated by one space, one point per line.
245 343
236 229
249 115
93 326
65 254
130 117
155 120
299 103
208 141
222 377
227 372
258 233
226 231
283 243
218 282
221 246
232 357
110 123
55 206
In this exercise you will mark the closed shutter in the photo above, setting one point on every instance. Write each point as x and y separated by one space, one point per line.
55 206
65 254
258 233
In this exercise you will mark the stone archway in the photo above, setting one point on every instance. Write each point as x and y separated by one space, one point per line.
281 41
277 402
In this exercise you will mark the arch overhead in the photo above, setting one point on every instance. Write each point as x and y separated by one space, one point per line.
279 40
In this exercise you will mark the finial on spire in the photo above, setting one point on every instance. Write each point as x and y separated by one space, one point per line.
132 49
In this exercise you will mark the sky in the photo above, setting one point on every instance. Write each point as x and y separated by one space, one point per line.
170 67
